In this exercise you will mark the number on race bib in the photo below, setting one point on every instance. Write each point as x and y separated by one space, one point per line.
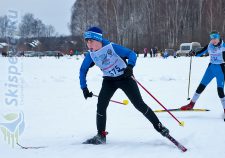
115 70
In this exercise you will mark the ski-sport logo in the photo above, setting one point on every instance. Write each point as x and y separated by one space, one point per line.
12 125
11 117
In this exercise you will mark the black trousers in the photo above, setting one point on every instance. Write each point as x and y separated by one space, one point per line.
130 88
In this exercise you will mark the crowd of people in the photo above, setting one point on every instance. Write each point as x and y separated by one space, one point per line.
155 52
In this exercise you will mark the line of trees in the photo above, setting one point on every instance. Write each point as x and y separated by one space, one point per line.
29 27
32 29
136 24
147 23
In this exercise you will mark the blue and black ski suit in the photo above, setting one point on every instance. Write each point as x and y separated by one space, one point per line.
215 68
111 59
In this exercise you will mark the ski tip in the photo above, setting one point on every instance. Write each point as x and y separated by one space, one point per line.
85 142
31 147
180 146
199 110
184 150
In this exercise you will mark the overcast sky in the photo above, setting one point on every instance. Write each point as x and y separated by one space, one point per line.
51 12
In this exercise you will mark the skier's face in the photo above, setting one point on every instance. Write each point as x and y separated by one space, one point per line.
93 45
215 41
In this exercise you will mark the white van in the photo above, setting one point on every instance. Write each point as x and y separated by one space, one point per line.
185 48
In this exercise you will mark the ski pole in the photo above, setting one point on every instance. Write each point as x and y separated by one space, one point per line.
125 102
189 78
180 123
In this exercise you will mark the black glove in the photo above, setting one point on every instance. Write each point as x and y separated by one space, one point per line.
128 71
87 93
192 53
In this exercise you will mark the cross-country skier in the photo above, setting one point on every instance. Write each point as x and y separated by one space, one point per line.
117 72
216 50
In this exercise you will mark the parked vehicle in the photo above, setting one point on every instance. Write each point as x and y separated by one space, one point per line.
185 48
53 53
30 54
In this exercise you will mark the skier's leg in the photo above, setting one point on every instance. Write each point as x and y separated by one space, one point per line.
130 87
222 98
220 84
207 78
106 92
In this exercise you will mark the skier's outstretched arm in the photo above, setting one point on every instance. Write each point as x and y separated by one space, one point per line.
87 63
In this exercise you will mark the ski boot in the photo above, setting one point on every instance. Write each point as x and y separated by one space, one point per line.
162 129
188 106
98 139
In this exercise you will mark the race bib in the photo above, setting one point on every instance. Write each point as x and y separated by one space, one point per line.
108 61
216 55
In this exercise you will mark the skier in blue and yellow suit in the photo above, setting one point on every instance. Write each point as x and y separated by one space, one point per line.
215 69
117 72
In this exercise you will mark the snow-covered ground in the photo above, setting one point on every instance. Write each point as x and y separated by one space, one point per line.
58 117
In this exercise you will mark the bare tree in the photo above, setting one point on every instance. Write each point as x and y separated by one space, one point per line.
147 23
4 23
50 31
25 27
33 27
